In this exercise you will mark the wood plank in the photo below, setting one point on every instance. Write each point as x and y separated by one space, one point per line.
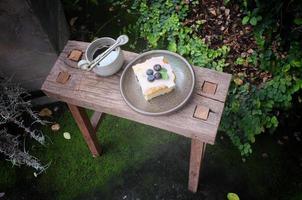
202 74
221 79
102 94
63 77
209 88
201 112
83 122
196 156
204 150
181 122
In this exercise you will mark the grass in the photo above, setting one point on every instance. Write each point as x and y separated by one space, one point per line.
74 171
136 157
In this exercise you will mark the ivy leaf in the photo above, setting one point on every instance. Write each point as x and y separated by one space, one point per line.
232 196
298 21
152 40
245 20
95 2
253 21
225 2
274 121
172 47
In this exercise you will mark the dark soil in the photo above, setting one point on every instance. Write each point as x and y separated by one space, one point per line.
222 25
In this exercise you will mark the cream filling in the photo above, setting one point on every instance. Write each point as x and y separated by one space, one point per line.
149 88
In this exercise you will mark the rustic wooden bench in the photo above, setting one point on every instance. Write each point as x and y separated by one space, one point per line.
198 119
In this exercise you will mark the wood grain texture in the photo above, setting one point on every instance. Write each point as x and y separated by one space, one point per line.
75 55
209 88
201 112
83 122
96 120
102 94
63 77
196 156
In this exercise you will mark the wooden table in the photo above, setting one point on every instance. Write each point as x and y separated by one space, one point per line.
198 119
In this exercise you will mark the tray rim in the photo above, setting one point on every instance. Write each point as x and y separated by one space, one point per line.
167 111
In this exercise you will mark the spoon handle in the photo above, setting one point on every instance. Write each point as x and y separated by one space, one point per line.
102 56
121 40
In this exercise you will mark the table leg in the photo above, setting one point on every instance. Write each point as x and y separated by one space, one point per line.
197 154
96 120
88 131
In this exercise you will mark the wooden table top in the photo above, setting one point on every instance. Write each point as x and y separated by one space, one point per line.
102 94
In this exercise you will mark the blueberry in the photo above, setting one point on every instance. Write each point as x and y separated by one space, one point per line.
149 72
151 78
157 67
157 75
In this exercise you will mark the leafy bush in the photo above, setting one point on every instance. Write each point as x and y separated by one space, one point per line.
251 108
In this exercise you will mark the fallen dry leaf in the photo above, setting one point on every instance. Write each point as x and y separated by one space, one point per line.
264 155
285 137
55 127
227 12
67 135
250 51
73 20
238 81
45 112
280 142
213 11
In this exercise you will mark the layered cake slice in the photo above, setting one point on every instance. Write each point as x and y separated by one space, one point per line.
155 77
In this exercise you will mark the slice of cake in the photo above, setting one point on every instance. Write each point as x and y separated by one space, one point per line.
155 77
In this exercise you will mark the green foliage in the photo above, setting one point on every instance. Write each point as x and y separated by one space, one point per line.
250 109
226 2
253 109
298 21
128 145
253 59
233 196
251 18
160 24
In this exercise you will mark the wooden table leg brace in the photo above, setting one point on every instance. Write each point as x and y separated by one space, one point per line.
196 157
87 127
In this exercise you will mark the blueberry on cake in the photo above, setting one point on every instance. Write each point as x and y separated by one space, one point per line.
155 77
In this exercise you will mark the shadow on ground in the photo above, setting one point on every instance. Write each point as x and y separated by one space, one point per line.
166 177
140 162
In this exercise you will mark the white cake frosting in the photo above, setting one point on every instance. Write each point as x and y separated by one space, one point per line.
158 86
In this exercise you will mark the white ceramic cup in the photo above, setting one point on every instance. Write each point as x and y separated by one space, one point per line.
109 65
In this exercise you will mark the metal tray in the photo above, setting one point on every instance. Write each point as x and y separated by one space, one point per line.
161 105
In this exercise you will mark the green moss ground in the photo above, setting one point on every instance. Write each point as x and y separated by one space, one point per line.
74 171
126 144
141 162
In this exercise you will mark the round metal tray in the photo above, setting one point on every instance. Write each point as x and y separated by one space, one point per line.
185 82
